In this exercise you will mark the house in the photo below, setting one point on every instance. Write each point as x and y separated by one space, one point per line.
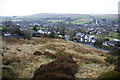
0 24
93 39
113 44
105 43
29 32
116 40
79 37
22 28
41 31
85 38
44 31
6 34
34 33
67 37
60 36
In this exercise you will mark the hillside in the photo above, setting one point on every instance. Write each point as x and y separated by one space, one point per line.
21 56
58 15
71 15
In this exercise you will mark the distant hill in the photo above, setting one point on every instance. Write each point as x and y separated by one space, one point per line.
49 15
107 15
113 17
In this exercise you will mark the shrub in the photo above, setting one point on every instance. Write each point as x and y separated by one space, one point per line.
62 68
47 56
37 53
35 28
26 34
50 55
102 55
11 60
110 74
110 59
114 51
98 43
52 35
8 74
117 67
61 54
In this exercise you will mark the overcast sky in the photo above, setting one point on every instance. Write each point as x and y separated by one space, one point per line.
28 7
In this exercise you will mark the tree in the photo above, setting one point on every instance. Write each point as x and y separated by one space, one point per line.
35 28
99 42
114 51
4 29
11 27
82 30
52 35
118 31
26 34
72 34
118 35
8 23
62 28
8 73
62 31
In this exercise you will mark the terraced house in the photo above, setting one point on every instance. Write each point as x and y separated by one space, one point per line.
81 37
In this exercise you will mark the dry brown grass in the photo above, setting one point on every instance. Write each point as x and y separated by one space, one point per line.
14 41
19 53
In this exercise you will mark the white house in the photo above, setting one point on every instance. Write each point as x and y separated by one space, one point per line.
43 31
60 36
116 40
6 34
85 37
105 43
22 28
113 43
67 37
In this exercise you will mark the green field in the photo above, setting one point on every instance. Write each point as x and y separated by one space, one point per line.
82 21
55 21
111 36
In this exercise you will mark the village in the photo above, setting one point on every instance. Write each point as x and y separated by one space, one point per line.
64 28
